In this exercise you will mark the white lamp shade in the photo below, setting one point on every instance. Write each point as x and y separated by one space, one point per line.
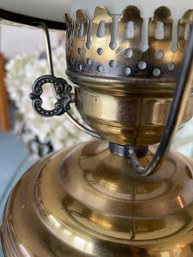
147 8
52 10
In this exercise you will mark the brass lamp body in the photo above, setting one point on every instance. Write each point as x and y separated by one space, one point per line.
87 200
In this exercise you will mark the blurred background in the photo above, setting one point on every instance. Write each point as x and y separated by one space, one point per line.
24 136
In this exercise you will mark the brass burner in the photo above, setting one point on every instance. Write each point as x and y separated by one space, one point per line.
125 93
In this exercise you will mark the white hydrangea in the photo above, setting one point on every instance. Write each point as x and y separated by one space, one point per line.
22 71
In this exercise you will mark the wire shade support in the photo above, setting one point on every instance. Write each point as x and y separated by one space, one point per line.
181 93
51 69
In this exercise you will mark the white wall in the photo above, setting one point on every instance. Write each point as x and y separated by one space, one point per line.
17 40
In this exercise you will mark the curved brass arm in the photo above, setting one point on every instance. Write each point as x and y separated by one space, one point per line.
59 109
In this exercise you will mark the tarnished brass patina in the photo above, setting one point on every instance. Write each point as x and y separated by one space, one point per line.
87 201
124 92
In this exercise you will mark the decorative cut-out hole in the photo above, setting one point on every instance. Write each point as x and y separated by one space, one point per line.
100 68
171 66
156 72
187 32
99 51
129 30
79 51
88 61
159 31
128 53
72 60
113 43
112 63
81 30
101 29
142 65
127 71
80 67
68 30
159 54
47 96
88 42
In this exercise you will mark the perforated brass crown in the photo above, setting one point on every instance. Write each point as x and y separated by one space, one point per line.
124 90
111 47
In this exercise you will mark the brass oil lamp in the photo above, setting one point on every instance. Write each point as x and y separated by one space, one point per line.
125 195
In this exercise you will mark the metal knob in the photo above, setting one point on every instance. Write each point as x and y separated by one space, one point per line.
64 96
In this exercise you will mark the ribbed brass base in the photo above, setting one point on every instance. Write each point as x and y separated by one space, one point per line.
86 201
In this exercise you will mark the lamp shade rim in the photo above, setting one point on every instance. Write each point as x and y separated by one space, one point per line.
31 21
50 11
